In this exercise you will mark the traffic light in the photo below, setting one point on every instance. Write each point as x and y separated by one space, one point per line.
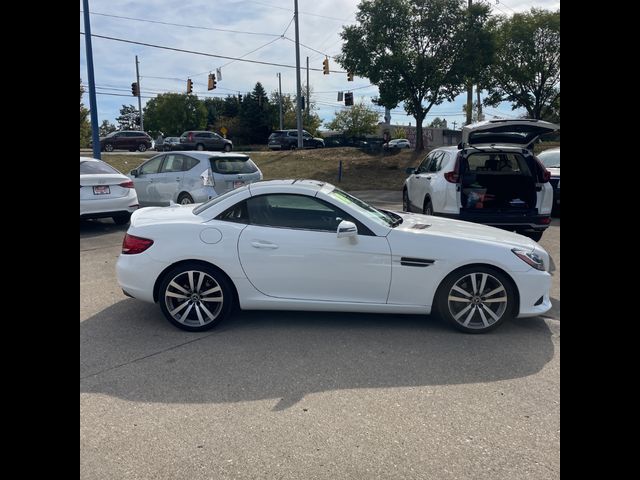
212 82
348 99
349 76
189 85
325 66
135 91
239 98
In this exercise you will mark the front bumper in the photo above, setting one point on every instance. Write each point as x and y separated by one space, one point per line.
533 287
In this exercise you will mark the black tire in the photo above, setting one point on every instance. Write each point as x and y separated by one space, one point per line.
200 147
185 199
108 147
427 208
142 147
320 145
202 298
475 313
405 201
121 219
536 236
293 147
227 148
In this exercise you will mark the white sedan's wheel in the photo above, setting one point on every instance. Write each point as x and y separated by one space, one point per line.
195 297
476 299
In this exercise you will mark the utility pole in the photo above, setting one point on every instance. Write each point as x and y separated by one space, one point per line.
298 89
454 125
139 100
280 100
306 104
479 104
93 105
469 87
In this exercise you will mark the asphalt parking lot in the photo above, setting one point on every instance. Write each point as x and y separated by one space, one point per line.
299 395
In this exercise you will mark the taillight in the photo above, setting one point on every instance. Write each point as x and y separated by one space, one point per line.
546 174
128 184
132 244
454 175
544 220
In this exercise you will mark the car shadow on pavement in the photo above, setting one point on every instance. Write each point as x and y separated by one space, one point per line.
130 351
97 227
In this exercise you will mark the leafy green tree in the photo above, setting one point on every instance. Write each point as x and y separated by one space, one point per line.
438 123
106 128
85 125
257 115
174 113
311 121
526 71
413 50
355 121
129 118
215 109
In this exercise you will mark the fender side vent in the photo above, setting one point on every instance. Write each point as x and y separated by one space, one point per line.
421 226
415 262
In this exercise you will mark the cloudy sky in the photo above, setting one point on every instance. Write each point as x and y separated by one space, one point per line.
260 30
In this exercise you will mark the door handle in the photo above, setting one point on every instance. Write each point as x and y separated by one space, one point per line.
262 244
178 179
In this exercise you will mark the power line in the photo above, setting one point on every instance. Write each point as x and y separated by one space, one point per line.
202 53
304 13
502 3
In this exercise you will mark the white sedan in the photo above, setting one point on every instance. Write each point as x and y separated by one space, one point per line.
307 245
105 192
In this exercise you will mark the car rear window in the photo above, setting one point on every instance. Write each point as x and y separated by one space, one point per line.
232 165
498 163
88 168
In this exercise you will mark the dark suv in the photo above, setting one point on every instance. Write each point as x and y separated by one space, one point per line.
125 140
201 140
288 140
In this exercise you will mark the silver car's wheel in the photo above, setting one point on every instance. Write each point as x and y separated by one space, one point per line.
476 299
185 199
195 297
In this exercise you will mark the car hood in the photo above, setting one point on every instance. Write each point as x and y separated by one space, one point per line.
422 225
172 214
520 133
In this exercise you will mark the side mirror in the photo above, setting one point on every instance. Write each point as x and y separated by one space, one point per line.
410 171
134 172
347 229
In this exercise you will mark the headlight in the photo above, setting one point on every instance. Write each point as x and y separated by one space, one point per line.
529 258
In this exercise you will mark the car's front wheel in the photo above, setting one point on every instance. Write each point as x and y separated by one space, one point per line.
200 147
108 147
476 299
185 199
195 296
227 148
142 147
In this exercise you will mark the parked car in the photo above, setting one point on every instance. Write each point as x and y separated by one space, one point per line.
288 140
551 160
170 144
307 245
105 192
191 177
131 140
491 178
398 143
201 140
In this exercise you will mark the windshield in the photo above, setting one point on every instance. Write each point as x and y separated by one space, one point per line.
550 159
382 217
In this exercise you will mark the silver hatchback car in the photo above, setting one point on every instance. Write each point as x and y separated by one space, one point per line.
191 177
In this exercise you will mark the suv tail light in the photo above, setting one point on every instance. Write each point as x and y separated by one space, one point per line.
128 184
132 244
546 174
454 175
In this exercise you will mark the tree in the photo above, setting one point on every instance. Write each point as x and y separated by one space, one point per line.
527 67
174 113
438 123
256 115
129 118
413 50
85 126
355 121
106 128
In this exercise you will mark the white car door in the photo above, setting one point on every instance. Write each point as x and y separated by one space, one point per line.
291 250
416 184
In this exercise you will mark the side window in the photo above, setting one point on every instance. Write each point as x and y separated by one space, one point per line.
296 211
238 213
152 165
172 163
434 164
188 163
423 165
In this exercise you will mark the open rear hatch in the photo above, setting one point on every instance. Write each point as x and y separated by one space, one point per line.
520 133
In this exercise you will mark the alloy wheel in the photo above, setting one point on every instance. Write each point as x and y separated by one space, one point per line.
477 300
194 298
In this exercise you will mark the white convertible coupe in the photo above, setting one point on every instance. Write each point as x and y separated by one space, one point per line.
307 245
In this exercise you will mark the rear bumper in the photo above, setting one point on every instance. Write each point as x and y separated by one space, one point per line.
109 207
508 221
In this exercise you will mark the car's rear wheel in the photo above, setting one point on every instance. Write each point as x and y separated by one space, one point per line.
476 299
293 147
227 148
195 296
405 200
108 147
427 209
142 147
185 199
121 219
200 147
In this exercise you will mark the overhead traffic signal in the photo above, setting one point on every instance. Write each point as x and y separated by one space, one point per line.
349 76
348 98
325 66
189 85
212 81
135 91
